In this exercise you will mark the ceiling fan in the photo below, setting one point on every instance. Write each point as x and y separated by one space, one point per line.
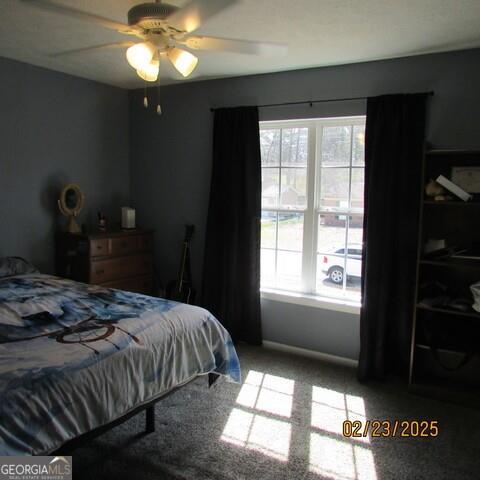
165 31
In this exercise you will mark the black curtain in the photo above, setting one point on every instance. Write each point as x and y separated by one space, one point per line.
394 149
231 274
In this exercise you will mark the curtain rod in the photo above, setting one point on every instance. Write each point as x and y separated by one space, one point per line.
311 102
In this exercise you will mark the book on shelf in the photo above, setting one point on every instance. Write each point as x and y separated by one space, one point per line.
455 189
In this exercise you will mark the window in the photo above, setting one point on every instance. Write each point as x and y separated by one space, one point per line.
312 206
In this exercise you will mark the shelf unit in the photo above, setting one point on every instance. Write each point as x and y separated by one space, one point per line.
458 223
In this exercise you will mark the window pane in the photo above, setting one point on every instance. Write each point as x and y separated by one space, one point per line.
331 233
267 268
331 258
270 147
336 146
334 187
354 257
358 157
289 270
294 147
358 181
269 229
294 188
290 231
355 233
270 187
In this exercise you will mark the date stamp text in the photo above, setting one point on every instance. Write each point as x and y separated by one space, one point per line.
390 428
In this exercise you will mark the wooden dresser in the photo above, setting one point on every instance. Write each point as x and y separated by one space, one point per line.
117 259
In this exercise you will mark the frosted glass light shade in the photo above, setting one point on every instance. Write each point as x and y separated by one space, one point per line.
140 54
149 72
183 61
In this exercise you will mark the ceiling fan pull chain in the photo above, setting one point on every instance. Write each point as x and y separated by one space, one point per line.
159 107
145 98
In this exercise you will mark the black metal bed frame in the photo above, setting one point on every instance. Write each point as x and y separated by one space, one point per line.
149 408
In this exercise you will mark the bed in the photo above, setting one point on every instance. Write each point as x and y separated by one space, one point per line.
75 358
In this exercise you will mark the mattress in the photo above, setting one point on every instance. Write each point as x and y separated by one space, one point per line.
74 357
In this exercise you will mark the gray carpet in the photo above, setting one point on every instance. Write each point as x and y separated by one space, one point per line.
285 423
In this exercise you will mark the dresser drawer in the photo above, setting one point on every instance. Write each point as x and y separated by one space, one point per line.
145 242
107 270
143 284
124 245
99 247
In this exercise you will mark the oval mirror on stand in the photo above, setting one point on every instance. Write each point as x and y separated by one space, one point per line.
70 204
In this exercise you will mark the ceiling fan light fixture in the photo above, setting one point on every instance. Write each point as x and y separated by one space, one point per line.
182 60
141 54
149 72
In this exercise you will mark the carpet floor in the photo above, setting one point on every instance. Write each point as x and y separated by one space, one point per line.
285 422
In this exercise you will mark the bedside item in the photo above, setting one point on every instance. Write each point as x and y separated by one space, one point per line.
120 259
467 178
70 204
455 189
128 218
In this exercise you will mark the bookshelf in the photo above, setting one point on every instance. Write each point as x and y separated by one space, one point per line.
457 222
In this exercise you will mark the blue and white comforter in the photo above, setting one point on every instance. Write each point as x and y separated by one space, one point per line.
74 357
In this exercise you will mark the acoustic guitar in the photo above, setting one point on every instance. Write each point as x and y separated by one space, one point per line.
181 289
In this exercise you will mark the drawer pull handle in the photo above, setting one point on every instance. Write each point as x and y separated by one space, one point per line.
99 272
99 247
124 244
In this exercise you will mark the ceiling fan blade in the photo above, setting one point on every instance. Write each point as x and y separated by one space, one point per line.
49 6
235 46
190 17
96 47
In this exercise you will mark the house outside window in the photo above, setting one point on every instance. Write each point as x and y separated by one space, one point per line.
312 206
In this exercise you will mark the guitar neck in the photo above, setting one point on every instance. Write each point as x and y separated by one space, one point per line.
183 266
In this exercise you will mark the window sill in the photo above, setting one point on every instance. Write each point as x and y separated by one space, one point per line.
325 303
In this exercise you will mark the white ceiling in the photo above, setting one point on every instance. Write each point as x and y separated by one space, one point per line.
317 32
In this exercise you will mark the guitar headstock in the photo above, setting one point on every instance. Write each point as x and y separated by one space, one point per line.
189 231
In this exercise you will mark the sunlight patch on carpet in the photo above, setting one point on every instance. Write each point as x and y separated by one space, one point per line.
267 393
331 454
256 432
330 409
340 459
259 422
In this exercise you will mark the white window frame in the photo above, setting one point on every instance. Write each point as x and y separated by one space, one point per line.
308 295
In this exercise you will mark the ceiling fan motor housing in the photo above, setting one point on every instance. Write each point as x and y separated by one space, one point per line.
150 15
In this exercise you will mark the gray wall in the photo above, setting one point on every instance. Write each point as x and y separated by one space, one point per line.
327 331
56 129
171 156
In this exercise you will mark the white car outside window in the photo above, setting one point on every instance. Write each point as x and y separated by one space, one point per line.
333 264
